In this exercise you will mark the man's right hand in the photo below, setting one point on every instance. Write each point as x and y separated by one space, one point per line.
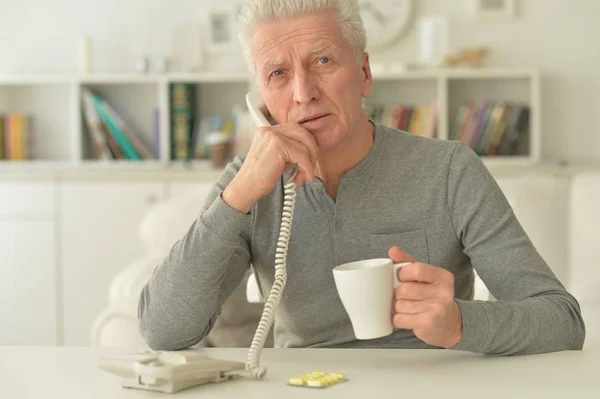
274 150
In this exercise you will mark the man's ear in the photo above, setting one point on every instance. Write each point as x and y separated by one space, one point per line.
367 76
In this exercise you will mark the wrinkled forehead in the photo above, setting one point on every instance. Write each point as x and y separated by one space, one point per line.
274 41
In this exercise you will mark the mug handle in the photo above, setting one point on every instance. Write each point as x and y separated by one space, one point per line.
395 267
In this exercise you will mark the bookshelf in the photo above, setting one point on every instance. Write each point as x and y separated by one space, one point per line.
61 140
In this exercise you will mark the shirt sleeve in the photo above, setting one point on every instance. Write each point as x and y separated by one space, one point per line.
533 313
179 304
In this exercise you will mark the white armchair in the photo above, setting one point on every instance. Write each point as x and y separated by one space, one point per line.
116 325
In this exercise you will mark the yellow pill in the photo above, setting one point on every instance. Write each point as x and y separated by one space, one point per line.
318 379
297 381
315 383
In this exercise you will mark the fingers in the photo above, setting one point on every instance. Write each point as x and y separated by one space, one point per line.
397 255
424 273
299 154
415 291
300 135
294 145
300 179
412 307
431 314
409 321
290 152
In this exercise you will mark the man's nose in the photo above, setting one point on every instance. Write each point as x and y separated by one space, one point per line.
305 87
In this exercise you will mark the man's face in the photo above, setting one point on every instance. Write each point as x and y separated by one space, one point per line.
305 68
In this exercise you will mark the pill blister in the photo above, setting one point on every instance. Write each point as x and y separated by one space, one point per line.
317 379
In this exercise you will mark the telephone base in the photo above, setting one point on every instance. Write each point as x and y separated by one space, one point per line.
169 386
170 371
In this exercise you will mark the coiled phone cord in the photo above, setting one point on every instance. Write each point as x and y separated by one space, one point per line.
266 320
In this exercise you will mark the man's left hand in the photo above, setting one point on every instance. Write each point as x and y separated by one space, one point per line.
425 302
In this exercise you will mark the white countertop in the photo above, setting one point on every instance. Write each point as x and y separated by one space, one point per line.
112 171
203 170
71 372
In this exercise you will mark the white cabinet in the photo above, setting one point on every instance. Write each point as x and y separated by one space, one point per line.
28 310
31 199
27 283
99 223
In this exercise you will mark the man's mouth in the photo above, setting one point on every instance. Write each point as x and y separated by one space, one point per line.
312 118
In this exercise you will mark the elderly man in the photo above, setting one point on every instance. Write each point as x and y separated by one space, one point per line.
364 191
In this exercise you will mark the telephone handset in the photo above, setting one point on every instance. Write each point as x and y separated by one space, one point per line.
172 371
257 108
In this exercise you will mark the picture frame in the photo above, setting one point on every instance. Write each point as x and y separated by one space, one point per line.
494 10
220 27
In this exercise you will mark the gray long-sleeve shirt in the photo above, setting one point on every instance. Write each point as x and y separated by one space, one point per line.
433 198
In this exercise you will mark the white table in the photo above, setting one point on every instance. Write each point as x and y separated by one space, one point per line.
68 372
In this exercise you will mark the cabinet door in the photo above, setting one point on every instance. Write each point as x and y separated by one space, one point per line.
26 198
27 281
100 237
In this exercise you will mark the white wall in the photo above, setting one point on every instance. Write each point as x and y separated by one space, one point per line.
558 36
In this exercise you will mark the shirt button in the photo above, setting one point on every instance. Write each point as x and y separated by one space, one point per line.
338 224
321 191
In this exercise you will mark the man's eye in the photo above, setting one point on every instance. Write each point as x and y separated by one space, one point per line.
324 60
277 72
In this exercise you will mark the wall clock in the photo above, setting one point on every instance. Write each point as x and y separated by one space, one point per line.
386 21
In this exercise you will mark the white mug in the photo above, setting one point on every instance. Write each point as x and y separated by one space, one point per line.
366 288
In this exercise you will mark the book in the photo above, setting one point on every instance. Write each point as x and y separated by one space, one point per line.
493 127
417 119
95 128
113 128
2 152
112 137
16 137
183 120
125 129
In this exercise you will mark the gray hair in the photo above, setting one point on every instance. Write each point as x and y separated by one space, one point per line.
347 13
